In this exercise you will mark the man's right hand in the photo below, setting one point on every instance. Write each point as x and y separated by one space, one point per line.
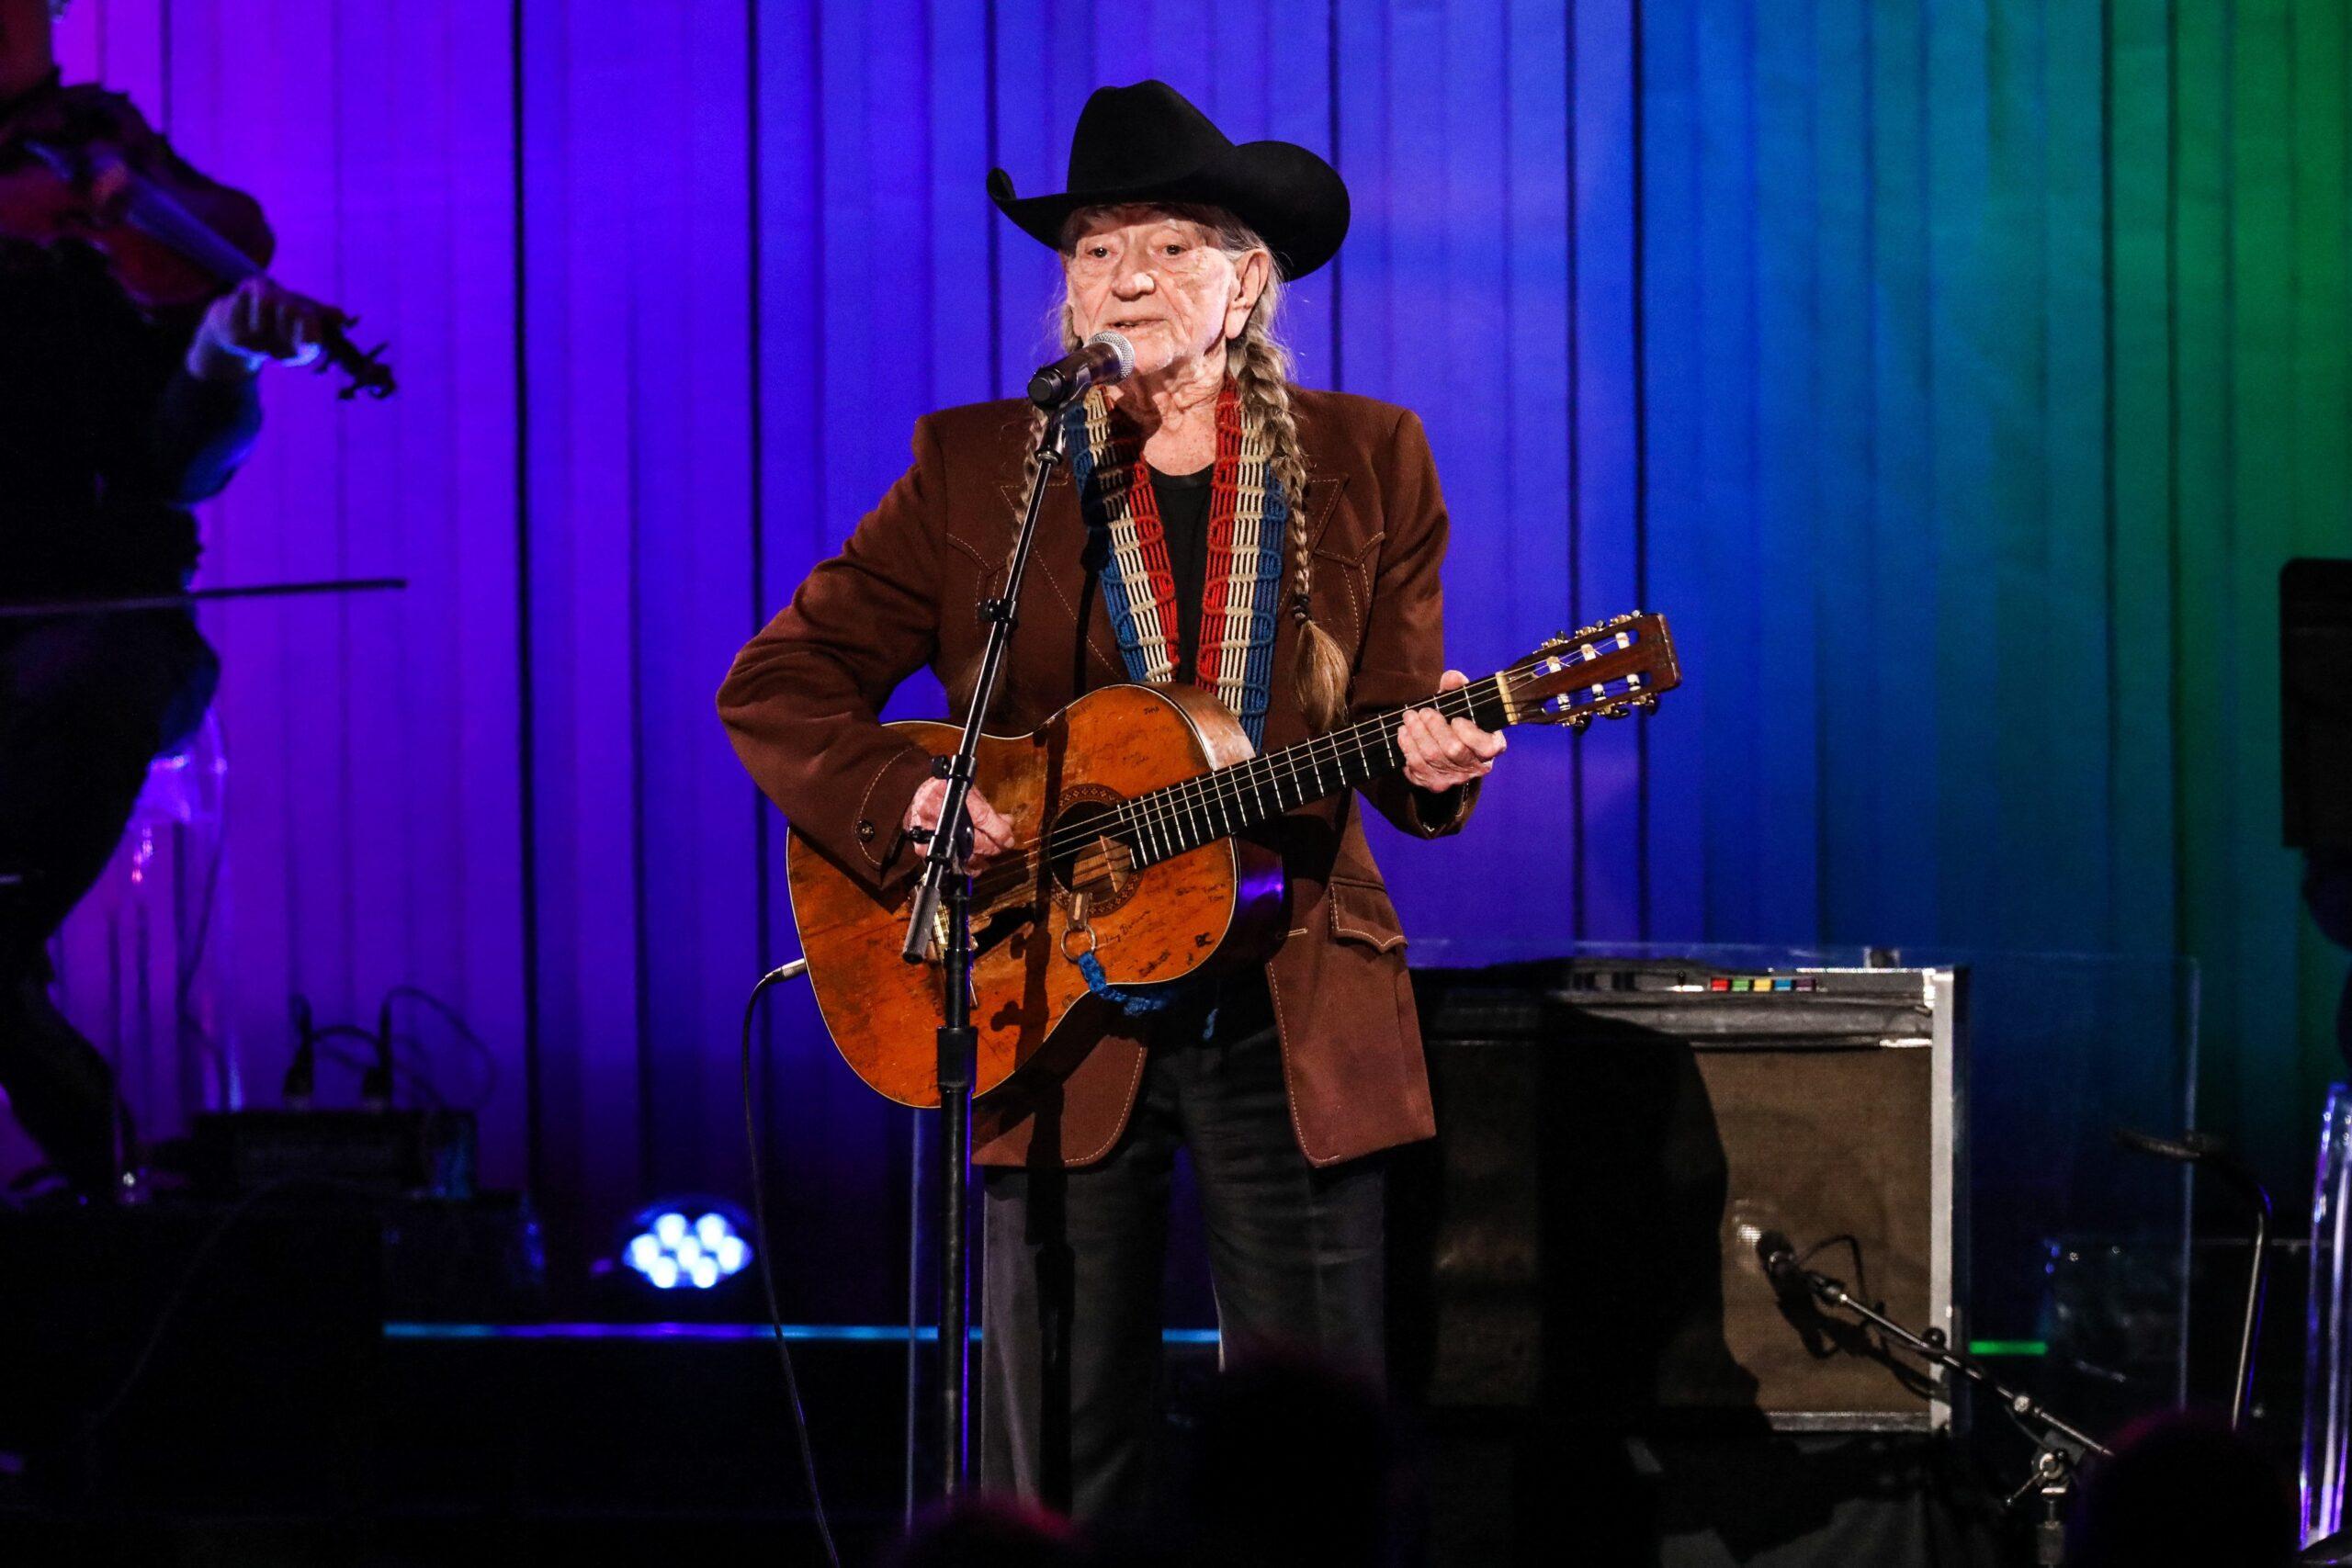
991 834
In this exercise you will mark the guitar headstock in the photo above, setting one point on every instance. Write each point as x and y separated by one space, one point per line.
1603 671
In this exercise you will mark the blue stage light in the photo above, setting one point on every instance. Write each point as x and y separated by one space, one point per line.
690 1245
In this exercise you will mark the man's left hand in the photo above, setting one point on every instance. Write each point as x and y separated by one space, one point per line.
258 322
1442 753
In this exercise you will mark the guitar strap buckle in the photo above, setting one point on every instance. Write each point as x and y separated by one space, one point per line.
1077 927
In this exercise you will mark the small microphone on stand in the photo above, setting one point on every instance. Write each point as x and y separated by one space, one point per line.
1102 359
1778 1254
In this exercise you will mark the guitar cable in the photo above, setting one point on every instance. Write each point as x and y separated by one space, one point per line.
767 1267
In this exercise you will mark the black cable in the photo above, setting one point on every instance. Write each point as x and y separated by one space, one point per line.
457 1021
767 1275
418 1082
376 1078
177 1297
1853 1249
301 1076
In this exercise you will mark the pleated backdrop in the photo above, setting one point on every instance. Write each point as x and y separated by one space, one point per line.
1957 377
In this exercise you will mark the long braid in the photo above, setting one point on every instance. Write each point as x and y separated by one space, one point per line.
1260 368
1028 477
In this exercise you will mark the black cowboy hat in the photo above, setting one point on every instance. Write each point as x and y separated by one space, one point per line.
1148 144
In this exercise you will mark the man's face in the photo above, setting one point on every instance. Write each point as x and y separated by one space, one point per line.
1158 280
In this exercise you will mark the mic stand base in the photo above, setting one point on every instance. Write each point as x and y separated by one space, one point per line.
2060 1450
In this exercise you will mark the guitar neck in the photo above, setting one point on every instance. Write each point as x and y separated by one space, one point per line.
1229 800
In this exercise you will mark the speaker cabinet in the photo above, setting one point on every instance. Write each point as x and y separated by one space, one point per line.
2315 702
1614 1138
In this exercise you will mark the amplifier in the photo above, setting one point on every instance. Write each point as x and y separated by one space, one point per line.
318 1152
2315 702
1614 1137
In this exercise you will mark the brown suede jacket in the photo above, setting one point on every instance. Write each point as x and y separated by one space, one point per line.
801 700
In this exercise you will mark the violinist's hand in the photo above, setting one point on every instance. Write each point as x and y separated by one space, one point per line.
991 834
1442 753
258 322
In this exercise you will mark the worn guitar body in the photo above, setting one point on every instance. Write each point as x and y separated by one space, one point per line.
1217 905
1141 819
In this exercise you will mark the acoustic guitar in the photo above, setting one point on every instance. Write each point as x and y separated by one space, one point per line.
1137 811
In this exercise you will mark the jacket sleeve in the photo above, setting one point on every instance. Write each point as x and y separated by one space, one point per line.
1403 644
200 436
801 701
176 440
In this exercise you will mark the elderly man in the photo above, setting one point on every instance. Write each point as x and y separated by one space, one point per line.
1221 527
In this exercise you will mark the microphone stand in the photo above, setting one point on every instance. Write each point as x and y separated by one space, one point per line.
941 922
2059 1449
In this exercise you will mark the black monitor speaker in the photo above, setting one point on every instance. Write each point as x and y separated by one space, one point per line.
2315 692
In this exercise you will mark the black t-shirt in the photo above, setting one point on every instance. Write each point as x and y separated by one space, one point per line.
1185 522
1237 1004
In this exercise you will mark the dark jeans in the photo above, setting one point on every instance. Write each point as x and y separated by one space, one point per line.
1071 1274
85 703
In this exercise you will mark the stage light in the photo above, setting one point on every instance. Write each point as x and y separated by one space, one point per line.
692 1245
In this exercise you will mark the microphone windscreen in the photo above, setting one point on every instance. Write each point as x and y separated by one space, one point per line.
1118 345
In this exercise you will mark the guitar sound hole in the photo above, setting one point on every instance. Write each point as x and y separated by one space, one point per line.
1086 859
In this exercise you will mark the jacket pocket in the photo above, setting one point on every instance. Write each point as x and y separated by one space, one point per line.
1360 912
1342 591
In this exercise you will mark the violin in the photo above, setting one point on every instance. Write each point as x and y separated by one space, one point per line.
81 164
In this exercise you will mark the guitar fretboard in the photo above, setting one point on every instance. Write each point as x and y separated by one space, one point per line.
1229 800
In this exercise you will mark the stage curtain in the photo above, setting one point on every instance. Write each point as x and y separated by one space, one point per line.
1956 376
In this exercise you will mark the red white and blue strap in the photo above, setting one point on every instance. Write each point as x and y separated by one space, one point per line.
1243 582
1243 578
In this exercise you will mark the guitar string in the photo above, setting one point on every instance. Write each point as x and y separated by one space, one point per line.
1160 815
1175 806
1160 818
1185 803
1190 802
1166 828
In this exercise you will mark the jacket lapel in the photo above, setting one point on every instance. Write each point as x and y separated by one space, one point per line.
1060 560
1322 503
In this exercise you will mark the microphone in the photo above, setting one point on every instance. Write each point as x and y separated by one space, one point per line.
1102 359
1778 1254
1794 1285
